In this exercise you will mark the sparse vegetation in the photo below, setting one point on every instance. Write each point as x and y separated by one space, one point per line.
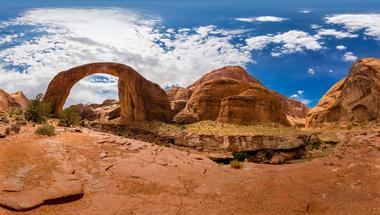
46 129
239 156
38 111
70 116
4 118
15 128
236 164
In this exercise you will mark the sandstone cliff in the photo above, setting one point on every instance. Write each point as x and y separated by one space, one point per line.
355 99
221 95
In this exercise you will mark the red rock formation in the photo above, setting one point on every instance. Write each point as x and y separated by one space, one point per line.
229 72
20 99
140 99
16 100
209 92
254 105
178 97
355 99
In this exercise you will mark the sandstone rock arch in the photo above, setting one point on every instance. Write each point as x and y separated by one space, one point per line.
140 99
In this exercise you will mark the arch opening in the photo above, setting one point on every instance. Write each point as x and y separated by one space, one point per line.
139 98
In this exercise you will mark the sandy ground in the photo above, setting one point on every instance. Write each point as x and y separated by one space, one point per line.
124 176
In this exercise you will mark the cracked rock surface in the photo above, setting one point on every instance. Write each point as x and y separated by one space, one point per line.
116 175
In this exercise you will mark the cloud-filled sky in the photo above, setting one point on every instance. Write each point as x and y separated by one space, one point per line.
299 50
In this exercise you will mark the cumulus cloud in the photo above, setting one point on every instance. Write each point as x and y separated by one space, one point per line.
299 96
335 33
262 19
341 47
370 23
349 57
285 43
71 37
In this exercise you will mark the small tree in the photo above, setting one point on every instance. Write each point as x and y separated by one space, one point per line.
69 116
38 111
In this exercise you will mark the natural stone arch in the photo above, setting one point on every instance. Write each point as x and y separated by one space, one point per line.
140 99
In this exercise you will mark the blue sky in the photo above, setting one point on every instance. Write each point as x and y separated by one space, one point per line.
298 48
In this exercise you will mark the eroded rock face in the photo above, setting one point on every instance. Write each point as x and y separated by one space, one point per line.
355 99
228 72
16 100
253 105
140 99
178 96
20 99
230 94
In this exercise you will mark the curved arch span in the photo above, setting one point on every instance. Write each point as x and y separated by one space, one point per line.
140 99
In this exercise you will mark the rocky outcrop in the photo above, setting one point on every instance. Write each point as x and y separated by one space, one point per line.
227 72
355 99
140 99
20 99
108 110
14 100
253 105
230 94
178 97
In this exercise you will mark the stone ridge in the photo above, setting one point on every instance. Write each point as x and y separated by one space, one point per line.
353 100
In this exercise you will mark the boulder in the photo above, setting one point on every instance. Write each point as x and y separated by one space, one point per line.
355 99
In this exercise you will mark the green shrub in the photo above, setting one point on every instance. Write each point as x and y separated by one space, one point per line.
236 164
38 111
70 116
46 129
240 156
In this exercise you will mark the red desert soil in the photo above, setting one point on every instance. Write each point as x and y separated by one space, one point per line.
124 176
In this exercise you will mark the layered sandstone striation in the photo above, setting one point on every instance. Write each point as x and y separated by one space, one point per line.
140 99
355 99
231 95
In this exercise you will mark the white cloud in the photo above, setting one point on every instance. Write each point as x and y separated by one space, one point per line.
341 47
335 33
370 23
311 71
286 43
262 19
314 26
71 37
349 57
299 96
305 11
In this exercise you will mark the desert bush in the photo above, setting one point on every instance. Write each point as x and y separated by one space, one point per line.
70 116
15 127
46 129
16 111
240 156
4 118
38 111
236 164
